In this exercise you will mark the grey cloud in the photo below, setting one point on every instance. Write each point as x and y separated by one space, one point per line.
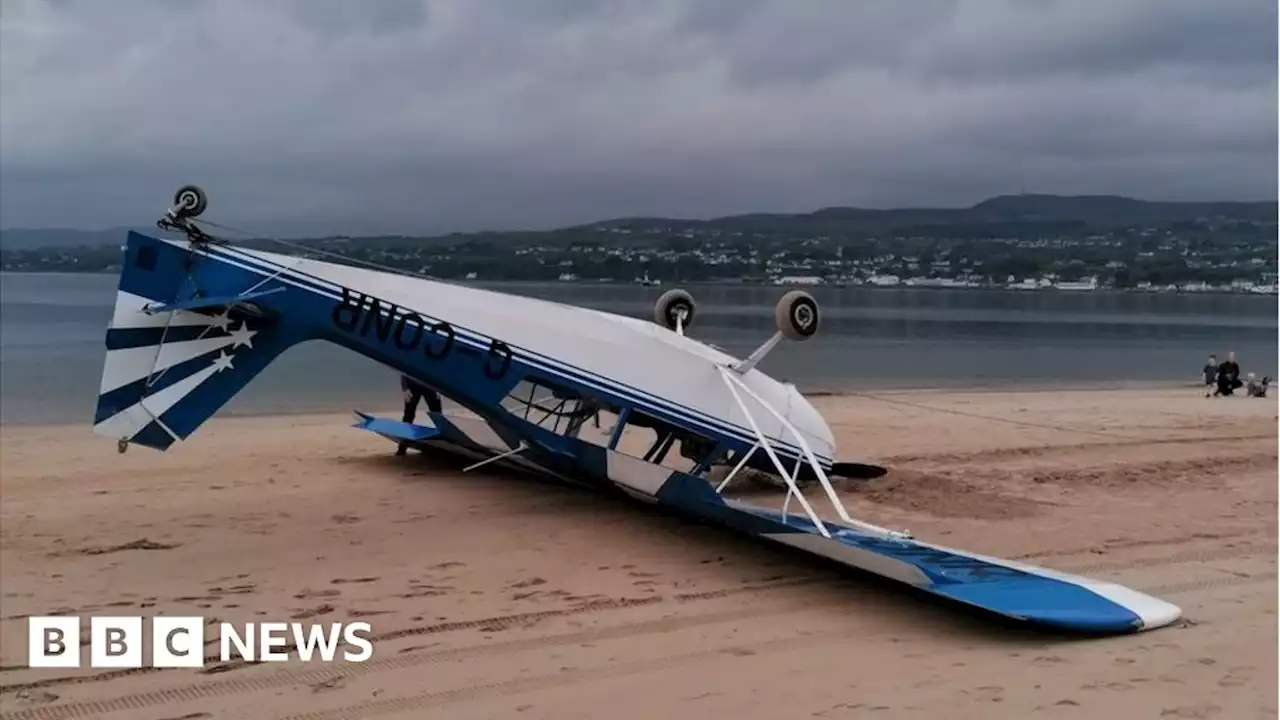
338 18
1063 37
400 115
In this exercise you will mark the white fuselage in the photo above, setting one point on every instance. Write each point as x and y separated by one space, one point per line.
639 361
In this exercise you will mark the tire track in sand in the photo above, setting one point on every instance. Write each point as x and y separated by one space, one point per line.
1032 451
524 620
517 686
1190 556
492 624
290 678
1214 583
1234 534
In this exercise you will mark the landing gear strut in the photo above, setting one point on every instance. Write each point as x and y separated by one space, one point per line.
796 316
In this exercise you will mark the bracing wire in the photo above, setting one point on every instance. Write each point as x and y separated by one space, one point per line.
317 251
993 418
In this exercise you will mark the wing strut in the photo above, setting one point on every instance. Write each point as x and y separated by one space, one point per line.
731 380
208 303
495 458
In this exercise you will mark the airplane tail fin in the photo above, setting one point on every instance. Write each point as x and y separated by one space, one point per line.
173 361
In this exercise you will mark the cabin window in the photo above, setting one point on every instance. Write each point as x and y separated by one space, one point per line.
565 411
654 440
553 406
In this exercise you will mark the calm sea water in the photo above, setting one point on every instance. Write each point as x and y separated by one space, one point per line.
52 328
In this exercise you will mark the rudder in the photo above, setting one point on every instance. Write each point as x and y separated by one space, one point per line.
167 371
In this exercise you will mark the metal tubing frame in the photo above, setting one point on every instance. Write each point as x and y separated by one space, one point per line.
616 436
521 447
745 457
762 441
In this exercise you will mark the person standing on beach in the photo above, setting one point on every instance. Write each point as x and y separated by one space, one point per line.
414 392
1228 375
1210 374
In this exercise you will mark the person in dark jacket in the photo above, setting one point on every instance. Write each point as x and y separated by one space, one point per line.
1228 376
414 392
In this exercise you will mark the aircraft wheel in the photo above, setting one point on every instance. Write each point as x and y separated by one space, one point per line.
797 315
190 201
669 307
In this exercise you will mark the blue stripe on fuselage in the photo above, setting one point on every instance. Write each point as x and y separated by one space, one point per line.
559 370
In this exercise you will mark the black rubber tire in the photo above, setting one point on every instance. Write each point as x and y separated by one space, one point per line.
666 310
796 316
190 201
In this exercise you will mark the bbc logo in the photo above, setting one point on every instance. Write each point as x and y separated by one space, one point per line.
115 642
176 642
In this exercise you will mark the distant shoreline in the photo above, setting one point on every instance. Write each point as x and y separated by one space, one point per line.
739 283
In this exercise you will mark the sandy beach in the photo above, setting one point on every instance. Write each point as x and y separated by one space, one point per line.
493 596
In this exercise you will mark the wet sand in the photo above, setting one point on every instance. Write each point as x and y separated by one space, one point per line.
495 596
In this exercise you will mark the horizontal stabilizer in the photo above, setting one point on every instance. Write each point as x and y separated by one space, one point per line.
208 303
395 429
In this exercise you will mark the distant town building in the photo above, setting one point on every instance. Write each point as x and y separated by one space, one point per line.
1090 283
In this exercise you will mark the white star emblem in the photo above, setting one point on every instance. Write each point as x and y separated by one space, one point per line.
242 335
222 321
222 362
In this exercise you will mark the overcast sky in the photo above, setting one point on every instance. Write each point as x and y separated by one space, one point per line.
436 115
